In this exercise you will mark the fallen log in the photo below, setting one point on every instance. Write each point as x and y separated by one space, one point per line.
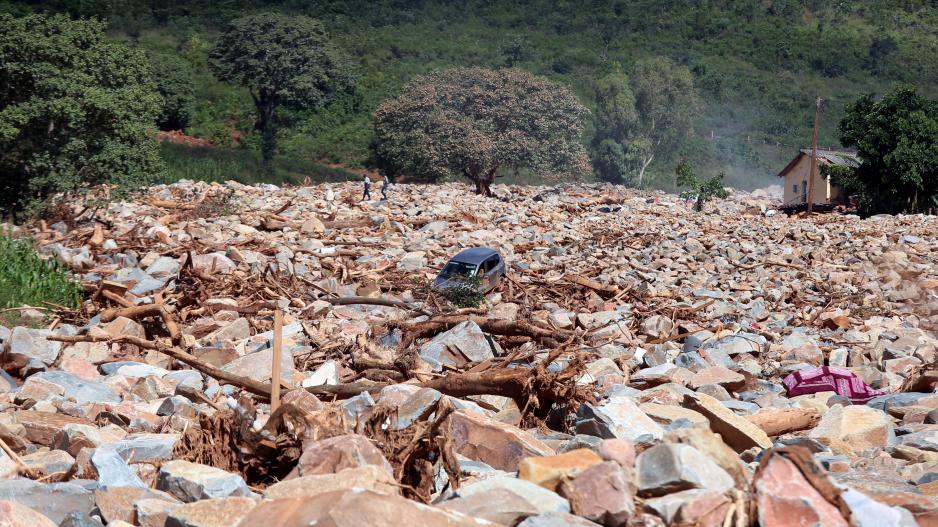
148 310
366 300
782 421
591 284
255 387
507 328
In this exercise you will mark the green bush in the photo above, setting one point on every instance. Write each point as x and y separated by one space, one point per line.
27 279
465 293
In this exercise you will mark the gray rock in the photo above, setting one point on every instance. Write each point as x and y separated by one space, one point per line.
146 448
870 513
618 417
192 481
79 389
112 470
31 348
54 500
556 519
81 519
668 468
464 343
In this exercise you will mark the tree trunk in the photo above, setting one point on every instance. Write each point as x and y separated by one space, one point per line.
267 126
641 173
484 182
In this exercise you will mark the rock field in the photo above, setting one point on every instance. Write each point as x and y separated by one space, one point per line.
633 368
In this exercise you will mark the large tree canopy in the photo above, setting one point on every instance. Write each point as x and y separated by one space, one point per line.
641 116
897 141
472 122
75 110
284 61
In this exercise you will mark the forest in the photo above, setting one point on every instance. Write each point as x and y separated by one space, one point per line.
756 68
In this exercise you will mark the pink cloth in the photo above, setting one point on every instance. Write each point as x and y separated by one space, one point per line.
829 379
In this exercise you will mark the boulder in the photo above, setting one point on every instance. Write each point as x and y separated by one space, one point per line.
216 512
736 432
784 497
329 456
549 471
13 514
668 468
618 417
497 444
193 481
601 493
851 429
367 477
460 345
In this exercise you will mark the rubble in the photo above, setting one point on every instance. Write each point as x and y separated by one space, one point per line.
640 364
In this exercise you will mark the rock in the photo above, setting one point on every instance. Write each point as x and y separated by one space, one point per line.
81 390
367 477
146 447
258 366
112 470
549 471
868 513
73 437
719 375
120 503
153 512
666 414
556 519
737 432
784 497
601 493
49 462
192 481
329 456
29 348
52 500
326 374
463 344
13 514
691 508
713 447
619 450
497 444
500 506
217 512
846 430
618 417
79 519
540 498
351 508
668 468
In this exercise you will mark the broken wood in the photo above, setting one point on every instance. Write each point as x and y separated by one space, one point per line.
275 367
366 300
590 284
508 328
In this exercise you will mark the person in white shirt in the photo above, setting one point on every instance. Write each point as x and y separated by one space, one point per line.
386 183
367 194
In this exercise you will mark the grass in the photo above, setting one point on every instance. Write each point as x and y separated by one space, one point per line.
243 166
27 279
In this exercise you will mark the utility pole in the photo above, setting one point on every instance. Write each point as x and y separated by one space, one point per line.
817 120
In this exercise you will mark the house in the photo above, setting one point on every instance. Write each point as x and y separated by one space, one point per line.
797 174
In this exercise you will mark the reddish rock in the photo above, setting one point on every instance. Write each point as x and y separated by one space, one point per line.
723 376
352 508
785 498
549 471
217 512
622 451
601 493
42 426
497 444
13 514
691 508
117 503
329 456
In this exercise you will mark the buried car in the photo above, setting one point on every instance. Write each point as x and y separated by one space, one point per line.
487 264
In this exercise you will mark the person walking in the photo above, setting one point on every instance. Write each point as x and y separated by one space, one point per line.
384 185
367 195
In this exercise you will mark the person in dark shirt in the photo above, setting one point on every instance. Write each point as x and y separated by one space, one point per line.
385 184
367 195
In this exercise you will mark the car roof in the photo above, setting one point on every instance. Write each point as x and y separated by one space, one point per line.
474 255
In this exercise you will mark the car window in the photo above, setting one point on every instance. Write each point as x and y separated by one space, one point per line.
454 269
491 263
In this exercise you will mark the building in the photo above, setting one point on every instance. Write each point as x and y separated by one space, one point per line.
797 175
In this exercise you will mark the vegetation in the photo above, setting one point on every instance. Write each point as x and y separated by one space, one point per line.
75 110
897 141
474 122
174 82
641 117
465 293
27 279
283 61
701 191
756 66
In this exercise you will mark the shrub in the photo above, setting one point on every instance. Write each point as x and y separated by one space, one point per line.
27 279
465 293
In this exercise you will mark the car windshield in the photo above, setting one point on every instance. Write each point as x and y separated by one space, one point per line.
457 269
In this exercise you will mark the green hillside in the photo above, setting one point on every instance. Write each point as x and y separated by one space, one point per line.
757 64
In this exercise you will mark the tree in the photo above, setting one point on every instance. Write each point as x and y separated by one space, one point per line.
897 141
650 112
76 110
667 106
700 190
284 61
473 122
174 83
